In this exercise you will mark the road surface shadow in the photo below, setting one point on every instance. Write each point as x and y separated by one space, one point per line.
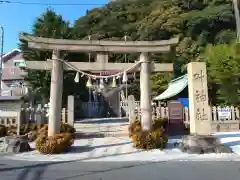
36 173
232 143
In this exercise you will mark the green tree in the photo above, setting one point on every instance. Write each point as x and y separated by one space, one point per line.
224 72
198 23
51 25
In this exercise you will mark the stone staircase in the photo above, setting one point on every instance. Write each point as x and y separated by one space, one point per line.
108 127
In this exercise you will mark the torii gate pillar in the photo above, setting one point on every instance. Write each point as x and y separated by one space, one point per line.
55 94
145 100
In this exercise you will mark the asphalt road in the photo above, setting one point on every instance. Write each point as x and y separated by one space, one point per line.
76 170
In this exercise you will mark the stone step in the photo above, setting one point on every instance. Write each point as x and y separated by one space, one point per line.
103 120
103 129
83 125
85 135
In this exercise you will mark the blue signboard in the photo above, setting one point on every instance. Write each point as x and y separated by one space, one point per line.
184 101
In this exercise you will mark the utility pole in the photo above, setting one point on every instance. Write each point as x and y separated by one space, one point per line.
1 63
236 12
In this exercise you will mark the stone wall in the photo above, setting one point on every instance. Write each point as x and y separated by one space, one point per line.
10 110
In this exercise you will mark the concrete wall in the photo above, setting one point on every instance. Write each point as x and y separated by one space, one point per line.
225 126
10 111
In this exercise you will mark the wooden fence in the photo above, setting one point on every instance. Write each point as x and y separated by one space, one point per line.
38 115
162 112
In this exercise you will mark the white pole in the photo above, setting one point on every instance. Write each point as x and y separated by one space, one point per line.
236 12
1 63
145 99
55 108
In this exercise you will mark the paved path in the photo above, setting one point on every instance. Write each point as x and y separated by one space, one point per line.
171 170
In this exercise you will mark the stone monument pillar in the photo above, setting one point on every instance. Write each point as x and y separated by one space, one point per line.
145 99
55 95
199 109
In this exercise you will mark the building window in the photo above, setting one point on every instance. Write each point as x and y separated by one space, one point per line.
16 64
19 63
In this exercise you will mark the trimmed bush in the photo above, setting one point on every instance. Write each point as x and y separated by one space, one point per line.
43 130
26 128
153 139
33 129
67 128
134 127
157 123
64 128
56 144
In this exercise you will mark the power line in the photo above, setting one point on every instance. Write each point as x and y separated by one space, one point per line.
51 4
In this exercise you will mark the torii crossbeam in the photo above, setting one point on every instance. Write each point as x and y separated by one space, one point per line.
97 67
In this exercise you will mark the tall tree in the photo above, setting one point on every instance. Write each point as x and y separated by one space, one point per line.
224 72
198 23
49 25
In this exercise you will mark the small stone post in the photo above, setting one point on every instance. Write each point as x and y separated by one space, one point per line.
19 122
38 115
70 110
145 100
131 108
199 110
55 95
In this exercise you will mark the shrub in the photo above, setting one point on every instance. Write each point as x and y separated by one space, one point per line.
43 130
154 139
3 130
56 144
26 128
34 130
157 123
134 127
64 128
67 128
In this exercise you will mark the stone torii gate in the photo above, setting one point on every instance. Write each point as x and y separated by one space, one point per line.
102 48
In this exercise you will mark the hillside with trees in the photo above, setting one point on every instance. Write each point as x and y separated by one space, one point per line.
206 29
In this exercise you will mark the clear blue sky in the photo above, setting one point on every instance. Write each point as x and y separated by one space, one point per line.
16 18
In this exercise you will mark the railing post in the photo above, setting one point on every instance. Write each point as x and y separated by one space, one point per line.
237 113
214 112
64 120
233 113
